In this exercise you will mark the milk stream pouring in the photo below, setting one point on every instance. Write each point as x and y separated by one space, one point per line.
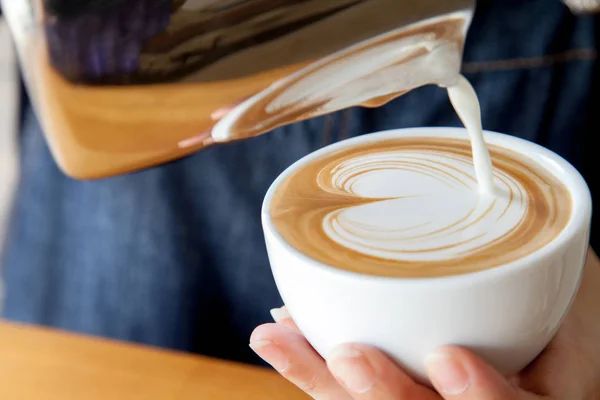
121 85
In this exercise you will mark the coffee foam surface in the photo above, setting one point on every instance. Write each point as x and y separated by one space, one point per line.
410 207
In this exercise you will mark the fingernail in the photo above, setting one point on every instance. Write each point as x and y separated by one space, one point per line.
271 353
279 314
447 374
220 113
352 368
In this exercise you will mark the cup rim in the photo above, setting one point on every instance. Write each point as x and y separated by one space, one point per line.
581 202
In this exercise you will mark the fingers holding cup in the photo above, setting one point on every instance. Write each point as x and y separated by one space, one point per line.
291 355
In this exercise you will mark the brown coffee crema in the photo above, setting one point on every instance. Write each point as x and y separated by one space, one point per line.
302 203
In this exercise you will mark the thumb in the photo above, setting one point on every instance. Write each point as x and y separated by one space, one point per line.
459 375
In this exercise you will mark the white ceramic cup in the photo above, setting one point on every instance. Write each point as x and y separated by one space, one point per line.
507 314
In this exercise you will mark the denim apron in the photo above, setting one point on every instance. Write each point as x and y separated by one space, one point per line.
174 256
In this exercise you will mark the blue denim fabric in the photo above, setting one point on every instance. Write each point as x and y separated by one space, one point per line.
174 256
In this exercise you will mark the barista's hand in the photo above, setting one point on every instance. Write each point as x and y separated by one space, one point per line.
569 369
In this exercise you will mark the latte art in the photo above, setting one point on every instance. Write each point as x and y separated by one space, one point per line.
410 207
411 181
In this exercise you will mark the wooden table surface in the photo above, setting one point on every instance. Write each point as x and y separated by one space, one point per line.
41 364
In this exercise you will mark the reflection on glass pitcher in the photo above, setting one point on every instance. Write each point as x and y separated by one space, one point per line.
121 85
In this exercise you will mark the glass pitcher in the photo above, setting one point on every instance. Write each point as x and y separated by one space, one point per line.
121 85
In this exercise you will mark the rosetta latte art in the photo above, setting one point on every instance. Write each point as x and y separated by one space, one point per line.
410 208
